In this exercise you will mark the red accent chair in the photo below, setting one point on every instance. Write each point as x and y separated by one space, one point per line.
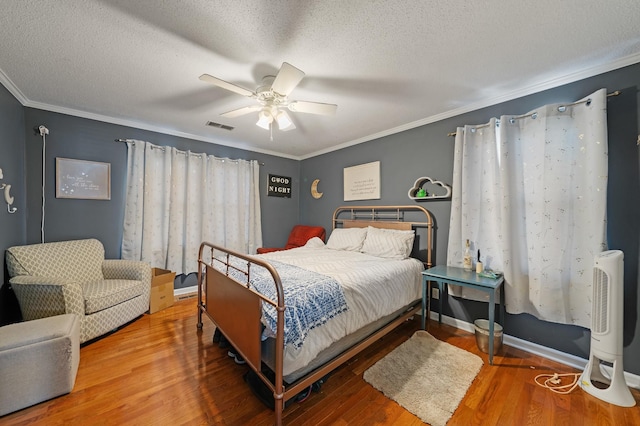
299 236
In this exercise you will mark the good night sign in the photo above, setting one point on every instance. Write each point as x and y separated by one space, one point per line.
279 186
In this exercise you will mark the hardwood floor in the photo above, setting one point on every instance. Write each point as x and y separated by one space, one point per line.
160 370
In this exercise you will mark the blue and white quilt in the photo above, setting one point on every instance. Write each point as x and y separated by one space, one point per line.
372 287
311 299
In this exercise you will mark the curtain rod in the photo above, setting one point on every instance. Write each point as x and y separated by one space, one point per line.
182 152
480 126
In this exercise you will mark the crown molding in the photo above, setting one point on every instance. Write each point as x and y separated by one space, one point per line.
529 90
149 127
12 88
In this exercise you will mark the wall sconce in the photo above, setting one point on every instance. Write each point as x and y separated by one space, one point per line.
7 196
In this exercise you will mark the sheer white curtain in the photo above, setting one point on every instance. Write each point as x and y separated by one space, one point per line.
176 200
530 193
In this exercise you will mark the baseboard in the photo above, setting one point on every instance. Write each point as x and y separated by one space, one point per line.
185 293
576 362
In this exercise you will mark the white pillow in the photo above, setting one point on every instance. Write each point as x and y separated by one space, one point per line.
314 242
388 243
347 239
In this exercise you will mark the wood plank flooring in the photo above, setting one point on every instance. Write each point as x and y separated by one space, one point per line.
161 370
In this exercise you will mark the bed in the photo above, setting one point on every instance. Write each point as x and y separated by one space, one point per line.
301 313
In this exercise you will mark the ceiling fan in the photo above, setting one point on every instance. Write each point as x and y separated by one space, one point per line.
272 96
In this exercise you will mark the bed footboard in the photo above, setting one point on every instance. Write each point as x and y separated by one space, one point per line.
225 297
236 311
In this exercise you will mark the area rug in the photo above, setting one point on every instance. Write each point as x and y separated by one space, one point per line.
426 376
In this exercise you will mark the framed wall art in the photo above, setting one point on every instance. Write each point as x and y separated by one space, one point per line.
362 182
89 180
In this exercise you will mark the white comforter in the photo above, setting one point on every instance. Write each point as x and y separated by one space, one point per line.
373 287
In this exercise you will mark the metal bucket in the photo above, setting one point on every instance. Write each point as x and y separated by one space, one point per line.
482 335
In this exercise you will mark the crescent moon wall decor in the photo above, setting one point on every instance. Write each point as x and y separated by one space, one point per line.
314 189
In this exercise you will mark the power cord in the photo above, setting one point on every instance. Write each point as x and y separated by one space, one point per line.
553 382
43 132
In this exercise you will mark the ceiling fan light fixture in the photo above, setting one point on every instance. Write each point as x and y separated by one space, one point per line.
264 120
284 122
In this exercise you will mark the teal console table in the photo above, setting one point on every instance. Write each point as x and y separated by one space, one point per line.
444 275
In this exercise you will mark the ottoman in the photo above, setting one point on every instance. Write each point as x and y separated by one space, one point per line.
38 360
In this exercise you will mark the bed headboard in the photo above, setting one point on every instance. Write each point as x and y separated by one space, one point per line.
403 226
390 217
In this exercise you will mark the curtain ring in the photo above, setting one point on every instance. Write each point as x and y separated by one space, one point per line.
534 115
589 102
562 108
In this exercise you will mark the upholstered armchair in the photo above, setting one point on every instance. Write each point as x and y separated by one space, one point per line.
73 277
298 237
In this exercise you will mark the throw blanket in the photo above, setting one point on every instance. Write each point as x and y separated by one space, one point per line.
311 299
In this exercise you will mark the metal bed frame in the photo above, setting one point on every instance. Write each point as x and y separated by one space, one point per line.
236 309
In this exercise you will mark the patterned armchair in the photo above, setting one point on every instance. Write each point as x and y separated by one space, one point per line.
72 277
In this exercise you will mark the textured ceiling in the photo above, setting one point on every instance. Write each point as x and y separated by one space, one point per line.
389 65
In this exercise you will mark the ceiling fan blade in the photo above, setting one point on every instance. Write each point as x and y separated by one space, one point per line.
241 111
313 107
287 79
226 85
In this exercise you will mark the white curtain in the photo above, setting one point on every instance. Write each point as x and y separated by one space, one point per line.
176 200
530 193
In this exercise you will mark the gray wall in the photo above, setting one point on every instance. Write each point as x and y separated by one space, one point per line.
12 226
79 138
428 151
403 157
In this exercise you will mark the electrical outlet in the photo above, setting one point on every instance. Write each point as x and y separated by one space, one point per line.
435 293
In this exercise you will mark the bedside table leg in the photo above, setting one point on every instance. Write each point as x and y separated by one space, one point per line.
492 318
440 297
425 301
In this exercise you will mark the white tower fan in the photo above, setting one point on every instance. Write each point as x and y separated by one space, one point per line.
607 332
